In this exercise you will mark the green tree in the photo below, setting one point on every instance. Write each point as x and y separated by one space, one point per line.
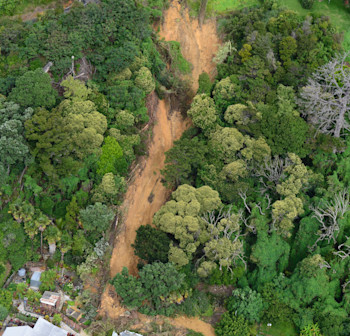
311 330
111 158
144 80
247 303
226 142
109 189
96 218
66 135
5 298
231 325
203 112
47 280
129 288
160 281
181 216
41 93
151 244
3 313
57 319
204 84
13 146
270 253
52 235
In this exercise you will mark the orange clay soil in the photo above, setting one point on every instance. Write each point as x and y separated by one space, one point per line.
146 194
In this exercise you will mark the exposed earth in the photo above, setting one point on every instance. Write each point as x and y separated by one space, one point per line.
146 193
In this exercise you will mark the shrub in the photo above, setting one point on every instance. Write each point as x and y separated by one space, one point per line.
205 84
307 4
231 325
246 302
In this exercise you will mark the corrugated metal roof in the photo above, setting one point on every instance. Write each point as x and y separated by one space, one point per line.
36 276
19 331
45 328
41 328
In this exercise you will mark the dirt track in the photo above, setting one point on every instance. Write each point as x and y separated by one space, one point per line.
146 194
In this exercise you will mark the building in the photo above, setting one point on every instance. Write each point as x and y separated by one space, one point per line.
35 280
50 300
41 328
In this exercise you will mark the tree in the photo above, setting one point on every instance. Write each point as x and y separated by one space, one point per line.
232 325
184 159
270 253
204 84
52 235
326 98
160 281
144 80
3 313
247 303
111 158
96 218
13 146
65 245
5 298
47 280
57 319
67 134
129 288
311 330
151 244
109 189
203 112
226 142
181 216
40 94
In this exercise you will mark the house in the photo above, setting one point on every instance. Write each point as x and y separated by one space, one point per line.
50 300
41 328
35 280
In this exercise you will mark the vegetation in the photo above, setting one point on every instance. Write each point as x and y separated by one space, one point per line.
260 182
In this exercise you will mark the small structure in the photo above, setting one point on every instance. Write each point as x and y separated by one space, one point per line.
35 280
41 328
22 272
50 300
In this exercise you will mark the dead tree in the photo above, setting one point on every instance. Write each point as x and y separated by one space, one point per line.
328 216
272 169
326 97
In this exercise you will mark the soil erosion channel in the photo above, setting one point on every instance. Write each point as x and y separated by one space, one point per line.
146 194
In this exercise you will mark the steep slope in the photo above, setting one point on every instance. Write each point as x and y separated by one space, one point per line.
146 194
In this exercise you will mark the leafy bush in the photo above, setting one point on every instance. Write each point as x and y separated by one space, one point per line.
247 303
307 4
232 325
151 244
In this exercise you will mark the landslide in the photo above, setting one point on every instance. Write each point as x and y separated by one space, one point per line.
146 193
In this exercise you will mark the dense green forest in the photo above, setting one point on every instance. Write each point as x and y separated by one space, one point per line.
66 144
260 181
262 185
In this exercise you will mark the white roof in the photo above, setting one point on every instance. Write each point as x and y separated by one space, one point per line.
45 328
129 333
41 328
18 331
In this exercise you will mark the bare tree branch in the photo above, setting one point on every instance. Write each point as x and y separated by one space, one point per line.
326 98
328 216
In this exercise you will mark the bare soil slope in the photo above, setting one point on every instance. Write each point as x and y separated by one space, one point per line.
146 194
198 45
